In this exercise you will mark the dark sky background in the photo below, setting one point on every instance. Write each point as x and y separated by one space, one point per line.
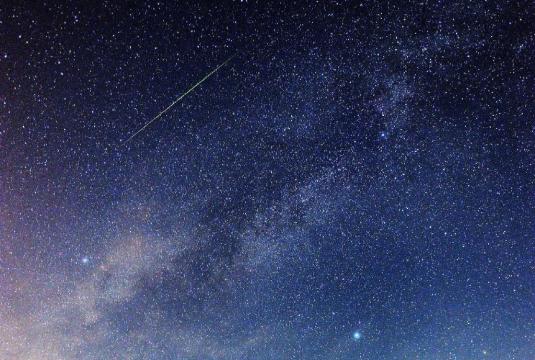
356 183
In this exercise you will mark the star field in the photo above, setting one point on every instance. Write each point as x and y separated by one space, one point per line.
357 182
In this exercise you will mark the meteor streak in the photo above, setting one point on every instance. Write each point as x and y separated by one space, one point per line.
160 114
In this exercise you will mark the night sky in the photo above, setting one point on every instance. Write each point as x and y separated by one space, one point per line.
357 182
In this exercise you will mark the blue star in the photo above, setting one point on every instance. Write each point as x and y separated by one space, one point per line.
357 335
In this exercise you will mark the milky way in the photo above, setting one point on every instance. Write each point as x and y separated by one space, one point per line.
357 183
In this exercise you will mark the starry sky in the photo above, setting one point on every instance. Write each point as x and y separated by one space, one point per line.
357 182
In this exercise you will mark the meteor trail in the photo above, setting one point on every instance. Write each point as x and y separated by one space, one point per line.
180 98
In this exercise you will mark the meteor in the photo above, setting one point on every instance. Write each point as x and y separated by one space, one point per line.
161 113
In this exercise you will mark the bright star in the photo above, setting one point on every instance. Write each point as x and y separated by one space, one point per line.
85 260
357 335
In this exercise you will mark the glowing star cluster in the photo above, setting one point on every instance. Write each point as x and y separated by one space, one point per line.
356 182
